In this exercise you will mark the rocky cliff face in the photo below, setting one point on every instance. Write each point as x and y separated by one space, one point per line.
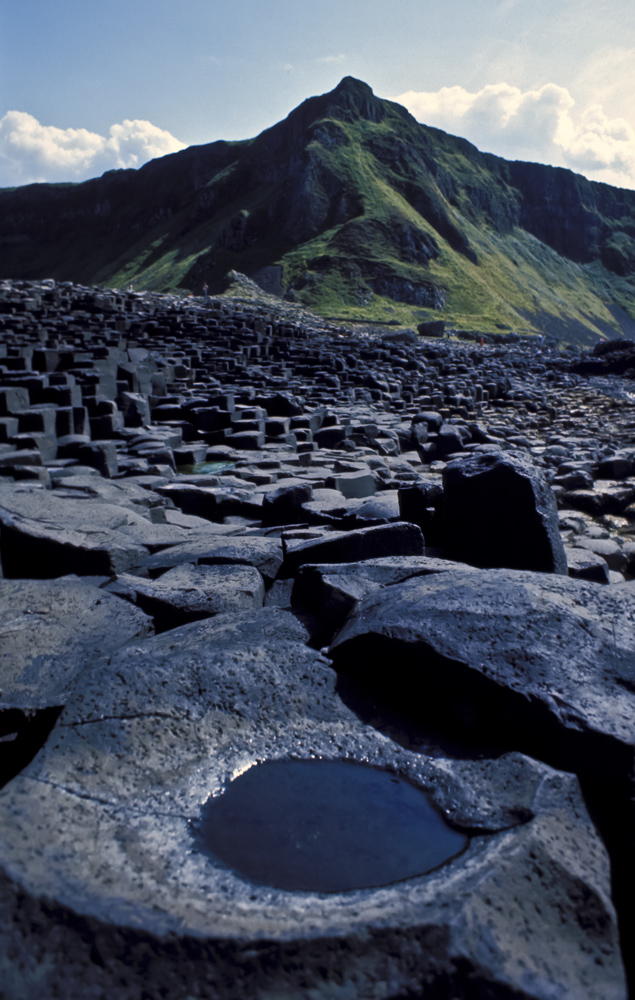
580 219
364 210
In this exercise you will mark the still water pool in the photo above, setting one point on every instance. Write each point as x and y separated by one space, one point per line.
325 826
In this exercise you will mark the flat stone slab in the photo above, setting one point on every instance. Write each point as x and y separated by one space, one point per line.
106 890
586 565
121 492
607 498
548 659
51 630
398 539
331 591
44 536
216 548
189 592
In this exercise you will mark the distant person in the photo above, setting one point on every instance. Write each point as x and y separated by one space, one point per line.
205 291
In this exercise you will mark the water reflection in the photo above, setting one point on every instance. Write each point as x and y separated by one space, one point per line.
326 826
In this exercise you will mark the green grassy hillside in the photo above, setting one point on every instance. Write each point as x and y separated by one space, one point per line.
355 210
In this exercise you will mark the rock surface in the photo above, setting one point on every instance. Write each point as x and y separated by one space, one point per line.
141 746
201 458
52 630
497 512
190 592
549 661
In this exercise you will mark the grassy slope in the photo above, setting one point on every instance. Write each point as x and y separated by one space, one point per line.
169 231
516 281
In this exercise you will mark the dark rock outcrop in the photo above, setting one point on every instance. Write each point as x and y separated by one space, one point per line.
54 629
496 511
257 457
610 357
143 744
554 657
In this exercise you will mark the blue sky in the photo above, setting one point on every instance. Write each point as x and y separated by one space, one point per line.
85 87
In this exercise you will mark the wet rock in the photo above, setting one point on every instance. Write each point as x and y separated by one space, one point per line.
616 467
629 552
283 505
608 549
221 548
330 592
383 506
398 539
450 439
141 746
586 565
496 511
209 502
603 499
616 357
327 507
43 536
51 630
191 592
127 493
353 485
542 660
579 479
430 419
418 505
135 409
122 907
100 455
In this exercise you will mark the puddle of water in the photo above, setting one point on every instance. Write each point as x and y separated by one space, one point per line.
325 826
204 468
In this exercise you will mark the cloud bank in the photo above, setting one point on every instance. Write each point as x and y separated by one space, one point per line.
540 125
31 152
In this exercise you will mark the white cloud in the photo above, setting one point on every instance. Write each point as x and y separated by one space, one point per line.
332 59
540 125
31 152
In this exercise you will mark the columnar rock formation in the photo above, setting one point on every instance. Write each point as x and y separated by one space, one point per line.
231 533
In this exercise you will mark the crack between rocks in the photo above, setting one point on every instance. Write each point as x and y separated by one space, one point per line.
107 802
119 718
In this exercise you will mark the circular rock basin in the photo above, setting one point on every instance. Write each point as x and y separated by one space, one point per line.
325 826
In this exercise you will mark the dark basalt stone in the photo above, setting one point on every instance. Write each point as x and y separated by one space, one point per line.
509 655
115 744
96 848
497 512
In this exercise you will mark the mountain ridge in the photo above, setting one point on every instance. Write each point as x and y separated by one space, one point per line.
353 208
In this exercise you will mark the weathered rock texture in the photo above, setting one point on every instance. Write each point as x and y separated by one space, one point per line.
140 746
496 512
547 660
195 497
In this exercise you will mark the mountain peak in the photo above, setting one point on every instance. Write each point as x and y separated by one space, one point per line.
351 207
354 98
350 86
